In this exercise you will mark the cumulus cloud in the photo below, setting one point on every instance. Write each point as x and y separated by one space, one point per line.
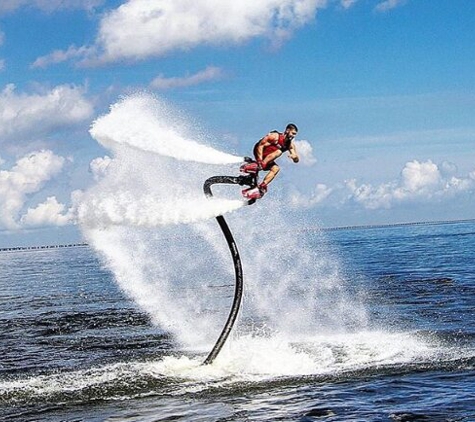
318 195
139 29
48 5
208 74
25 116
305 152
48 213
99 166
418 182
28 176
388 5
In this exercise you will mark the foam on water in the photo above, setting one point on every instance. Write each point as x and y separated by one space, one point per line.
258 358
247 359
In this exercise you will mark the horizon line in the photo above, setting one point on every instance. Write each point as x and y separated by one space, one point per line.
337 228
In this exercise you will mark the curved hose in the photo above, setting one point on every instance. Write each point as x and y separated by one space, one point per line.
237 291
240 180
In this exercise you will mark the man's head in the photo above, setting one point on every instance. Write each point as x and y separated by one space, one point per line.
291 131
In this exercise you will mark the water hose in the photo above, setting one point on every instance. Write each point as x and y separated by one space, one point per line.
251 181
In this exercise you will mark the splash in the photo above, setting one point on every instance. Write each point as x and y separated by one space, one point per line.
146 123
153 178
149 220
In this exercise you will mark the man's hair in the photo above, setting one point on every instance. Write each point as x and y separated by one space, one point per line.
292 127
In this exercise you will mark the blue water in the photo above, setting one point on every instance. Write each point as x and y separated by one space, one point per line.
75 348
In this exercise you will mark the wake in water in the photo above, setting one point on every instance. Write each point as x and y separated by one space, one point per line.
332 358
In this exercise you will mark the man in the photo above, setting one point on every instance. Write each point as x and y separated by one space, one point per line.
266 151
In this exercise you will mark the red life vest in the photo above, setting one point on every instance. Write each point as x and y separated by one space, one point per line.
281 145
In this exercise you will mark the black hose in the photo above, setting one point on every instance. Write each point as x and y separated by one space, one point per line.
237 291
240 180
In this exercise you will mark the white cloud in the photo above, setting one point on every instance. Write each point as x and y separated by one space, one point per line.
2 64
24 116
27 176
208 74
419 182
48 213
139 29
419 177
305 152
99 166
59 56
389 4
48 5
348 3
319 194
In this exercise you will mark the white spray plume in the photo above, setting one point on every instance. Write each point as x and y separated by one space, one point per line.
147 123
182 274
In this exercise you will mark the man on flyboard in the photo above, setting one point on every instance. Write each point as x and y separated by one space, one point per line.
266 151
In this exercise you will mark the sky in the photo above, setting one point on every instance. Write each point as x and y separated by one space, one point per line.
383 93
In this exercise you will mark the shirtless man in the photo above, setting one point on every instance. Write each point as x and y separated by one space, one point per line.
266 151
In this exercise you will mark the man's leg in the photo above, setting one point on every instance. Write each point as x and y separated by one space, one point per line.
271 174
261 190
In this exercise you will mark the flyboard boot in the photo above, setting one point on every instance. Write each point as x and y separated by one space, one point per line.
249 166
255 193
252 167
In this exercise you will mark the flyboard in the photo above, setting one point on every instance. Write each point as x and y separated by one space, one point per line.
243 180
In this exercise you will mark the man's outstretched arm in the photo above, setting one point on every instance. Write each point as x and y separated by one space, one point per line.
293 153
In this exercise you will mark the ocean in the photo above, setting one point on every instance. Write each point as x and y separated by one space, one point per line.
362 324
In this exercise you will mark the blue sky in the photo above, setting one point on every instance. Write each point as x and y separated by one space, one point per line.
383 93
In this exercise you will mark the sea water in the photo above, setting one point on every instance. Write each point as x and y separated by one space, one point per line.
75 347
372 324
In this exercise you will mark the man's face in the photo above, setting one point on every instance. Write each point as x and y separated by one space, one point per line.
290 134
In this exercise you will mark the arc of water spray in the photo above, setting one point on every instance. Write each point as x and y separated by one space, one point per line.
250 180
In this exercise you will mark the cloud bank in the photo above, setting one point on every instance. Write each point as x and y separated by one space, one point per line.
419 182
27 116
140 29
27 177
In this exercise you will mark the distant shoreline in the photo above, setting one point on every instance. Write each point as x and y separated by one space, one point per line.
42 247
382 226
324 229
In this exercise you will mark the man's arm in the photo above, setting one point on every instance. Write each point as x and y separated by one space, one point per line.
293 153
